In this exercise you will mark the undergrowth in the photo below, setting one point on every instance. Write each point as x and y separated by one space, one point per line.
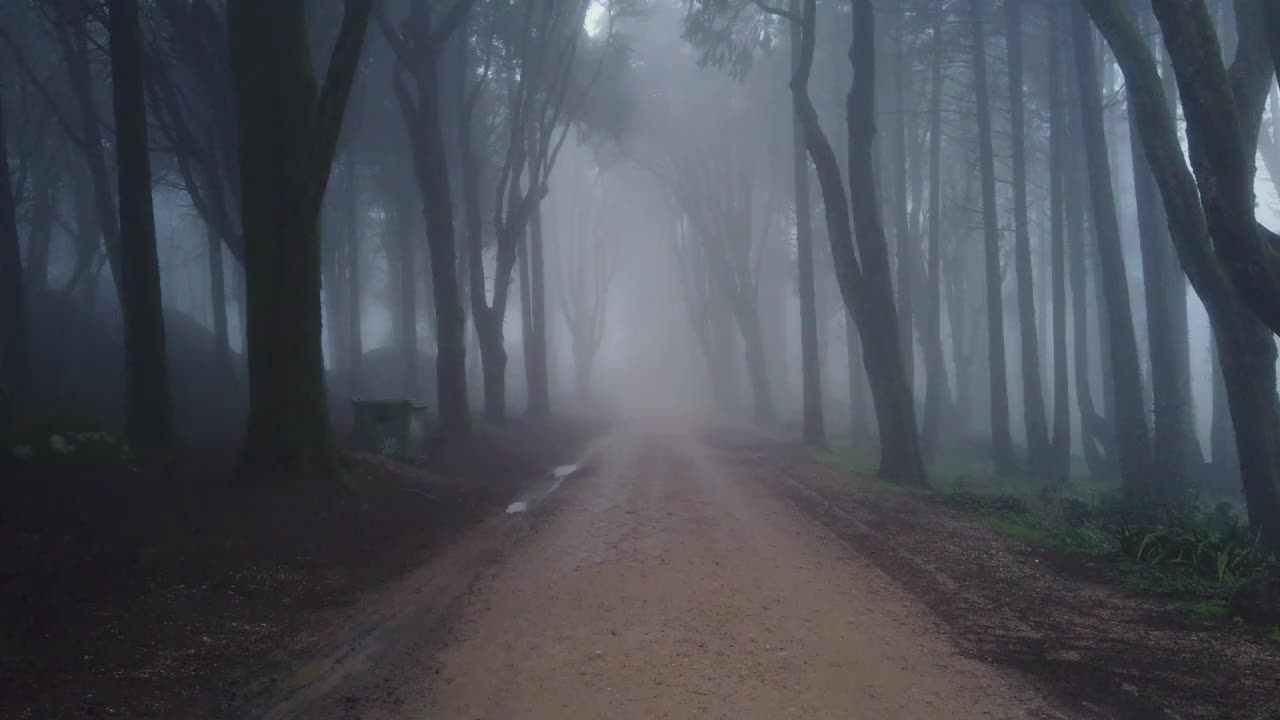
1180 549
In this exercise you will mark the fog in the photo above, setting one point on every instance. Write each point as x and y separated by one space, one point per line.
592 207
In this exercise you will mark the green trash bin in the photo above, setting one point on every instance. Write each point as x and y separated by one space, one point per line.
397 428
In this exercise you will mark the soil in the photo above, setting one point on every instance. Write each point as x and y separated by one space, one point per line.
678 574
177 591
1096 649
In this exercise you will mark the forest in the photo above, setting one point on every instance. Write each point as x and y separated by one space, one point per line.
985 290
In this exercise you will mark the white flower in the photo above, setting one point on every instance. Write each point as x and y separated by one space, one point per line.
59 444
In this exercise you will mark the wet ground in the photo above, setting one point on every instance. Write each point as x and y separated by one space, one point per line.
683 573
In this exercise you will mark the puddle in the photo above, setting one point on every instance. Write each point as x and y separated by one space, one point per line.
557 475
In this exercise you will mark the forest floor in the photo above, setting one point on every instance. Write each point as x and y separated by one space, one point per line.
680 574
176 591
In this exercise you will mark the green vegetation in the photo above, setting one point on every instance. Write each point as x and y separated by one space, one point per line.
1183 549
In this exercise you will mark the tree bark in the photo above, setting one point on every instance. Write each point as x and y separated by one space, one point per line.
15 362
1133 449
218 299
1171 430
937 391
1032 387
1246 348
811 372
1059 466
150 413
417 54
351 235
288 133
1001 443
905 243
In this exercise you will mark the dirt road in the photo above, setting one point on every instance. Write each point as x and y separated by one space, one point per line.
661 585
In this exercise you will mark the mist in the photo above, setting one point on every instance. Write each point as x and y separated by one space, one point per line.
311 291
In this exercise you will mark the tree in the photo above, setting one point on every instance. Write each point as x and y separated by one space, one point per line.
937 391
150 419
1001 443
1133 448
589 257
864 278
417 48
1032 388
542 94
811 375
1246 348
15 364
288 130
1059 461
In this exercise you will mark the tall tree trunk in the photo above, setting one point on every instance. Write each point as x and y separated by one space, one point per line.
1224 464
1172 435
15 363
937 392
1001 443
218 298
1032 387
1133 449
1245 346
150 415
406 316
75 48
536 352
859 434
1095 439
288 132
746 313
1059 466
904 242
900 456
351 236
810 365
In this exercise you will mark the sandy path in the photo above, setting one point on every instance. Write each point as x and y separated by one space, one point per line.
666 587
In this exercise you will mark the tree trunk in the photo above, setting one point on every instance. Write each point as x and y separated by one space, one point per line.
747 314
1032 387
937 391
218 298
1001 443
407 317
75 42
1095 439
351 235
539 390
859 434
1133 449
15 363
811 373
288 131
900 456
1171 430
1224 464
905 243
1245 346
150 414
1059 466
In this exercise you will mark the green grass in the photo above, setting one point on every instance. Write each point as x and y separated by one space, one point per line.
1188 550
1209 609
1274 635
1019 529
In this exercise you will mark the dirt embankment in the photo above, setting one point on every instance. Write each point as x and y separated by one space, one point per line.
1100 650
178 592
